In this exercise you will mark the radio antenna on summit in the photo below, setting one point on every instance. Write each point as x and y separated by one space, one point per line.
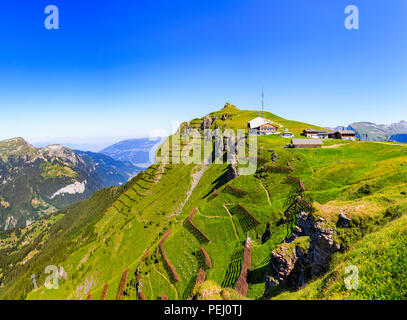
262 104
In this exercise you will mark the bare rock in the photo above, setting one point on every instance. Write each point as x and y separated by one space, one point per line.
343 221
232 172
206 123
292 267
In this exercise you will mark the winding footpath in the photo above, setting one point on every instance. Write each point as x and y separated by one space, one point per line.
196 177
267 193
233 222
169 282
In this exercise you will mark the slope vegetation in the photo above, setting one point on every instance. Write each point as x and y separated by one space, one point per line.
302 212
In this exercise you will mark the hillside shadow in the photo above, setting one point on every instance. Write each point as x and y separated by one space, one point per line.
258 275
218 183
189 288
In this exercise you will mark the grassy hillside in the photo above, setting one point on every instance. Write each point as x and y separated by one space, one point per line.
366 182
49 242
381 258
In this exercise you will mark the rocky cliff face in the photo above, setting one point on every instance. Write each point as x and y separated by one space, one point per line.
37 181
303 255
62 153
232 172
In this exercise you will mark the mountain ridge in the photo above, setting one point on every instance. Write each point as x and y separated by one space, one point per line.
301 208
135 151
369 131
38 181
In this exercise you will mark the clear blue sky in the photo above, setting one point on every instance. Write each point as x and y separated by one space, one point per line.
118 69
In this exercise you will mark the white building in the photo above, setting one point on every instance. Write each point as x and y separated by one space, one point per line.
262 126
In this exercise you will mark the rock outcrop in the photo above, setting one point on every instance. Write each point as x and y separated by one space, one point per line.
232 172
287 266
343 221
304 254
208 120
206 123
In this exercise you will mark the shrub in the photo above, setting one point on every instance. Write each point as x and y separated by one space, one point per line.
393 212
365 189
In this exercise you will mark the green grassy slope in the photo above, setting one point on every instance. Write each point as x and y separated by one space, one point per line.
52 244
380 257
367 181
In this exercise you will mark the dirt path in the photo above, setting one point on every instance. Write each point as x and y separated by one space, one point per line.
333 146
151 287
233 222
160 173
211 217
196 176
392 144
267 193
169 282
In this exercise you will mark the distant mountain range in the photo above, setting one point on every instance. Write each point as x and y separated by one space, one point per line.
111 171
135 151
92 145
37 181
368 131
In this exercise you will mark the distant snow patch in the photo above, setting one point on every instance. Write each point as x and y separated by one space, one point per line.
77 187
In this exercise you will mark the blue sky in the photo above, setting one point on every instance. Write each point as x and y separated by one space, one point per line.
118 69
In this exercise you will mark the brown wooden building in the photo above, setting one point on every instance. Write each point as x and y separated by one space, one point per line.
345 135
314 133
306 143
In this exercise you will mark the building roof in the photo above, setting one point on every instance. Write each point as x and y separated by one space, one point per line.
307 142
259 121
347 132
315 130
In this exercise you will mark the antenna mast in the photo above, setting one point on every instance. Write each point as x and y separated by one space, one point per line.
262 104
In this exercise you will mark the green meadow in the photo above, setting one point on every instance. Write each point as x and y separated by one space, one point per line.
365 180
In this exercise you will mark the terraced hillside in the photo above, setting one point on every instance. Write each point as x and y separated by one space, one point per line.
180 230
